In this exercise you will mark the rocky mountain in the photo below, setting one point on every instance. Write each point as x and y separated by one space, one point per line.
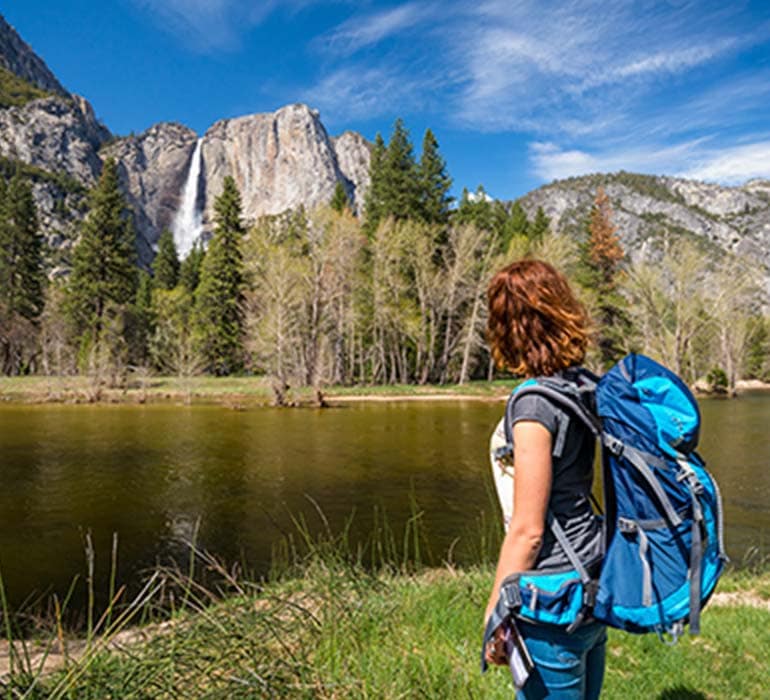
647 208
52 135
18 58
280 160
153 168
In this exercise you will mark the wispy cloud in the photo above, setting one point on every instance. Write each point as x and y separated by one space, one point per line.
551 67
561 67
361 31
699 159
203 25
356 93
215 25
733 165
551 162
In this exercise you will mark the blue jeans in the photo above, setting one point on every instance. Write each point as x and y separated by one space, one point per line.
567 666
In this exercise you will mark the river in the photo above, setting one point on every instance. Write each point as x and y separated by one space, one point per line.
236 481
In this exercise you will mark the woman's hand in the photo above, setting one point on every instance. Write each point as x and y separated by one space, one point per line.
495 652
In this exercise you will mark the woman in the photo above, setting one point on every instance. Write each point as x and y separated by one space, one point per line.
537 328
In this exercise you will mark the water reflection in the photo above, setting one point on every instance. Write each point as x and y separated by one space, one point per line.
151 473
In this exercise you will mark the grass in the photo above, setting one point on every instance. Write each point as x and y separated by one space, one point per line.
40 389
341 633
327 627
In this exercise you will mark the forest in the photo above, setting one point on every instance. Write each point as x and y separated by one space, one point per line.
393 294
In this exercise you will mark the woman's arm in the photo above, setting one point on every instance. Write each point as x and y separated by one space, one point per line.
531 491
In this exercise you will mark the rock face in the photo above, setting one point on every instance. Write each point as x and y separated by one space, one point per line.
60 138
353 156
17 57
153 168
57 134
281 160
648 208
56 138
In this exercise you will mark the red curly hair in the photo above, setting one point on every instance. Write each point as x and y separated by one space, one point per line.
536 326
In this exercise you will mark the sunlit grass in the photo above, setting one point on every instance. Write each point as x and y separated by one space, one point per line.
370 622
202 389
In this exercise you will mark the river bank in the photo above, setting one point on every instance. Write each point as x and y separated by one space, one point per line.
241 392
232 392
339 632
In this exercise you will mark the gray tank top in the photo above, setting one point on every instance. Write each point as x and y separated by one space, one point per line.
571 483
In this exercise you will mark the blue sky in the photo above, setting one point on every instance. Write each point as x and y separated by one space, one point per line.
518 92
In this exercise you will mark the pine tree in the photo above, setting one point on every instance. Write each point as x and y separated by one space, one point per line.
21 273
373 203
516 225
482 211
340 200
104 272
21 251
219 315
190 268
540 226
434 183
400 197
140 321
165 267
601 256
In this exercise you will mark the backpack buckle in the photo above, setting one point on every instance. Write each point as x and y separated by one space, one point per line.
613 445
590 590
512 596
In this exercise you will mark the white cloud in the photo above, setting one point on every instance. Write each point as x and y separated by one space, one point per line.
674 61
356 93
215 25
561 67
203 24
698 159
733 165
361 31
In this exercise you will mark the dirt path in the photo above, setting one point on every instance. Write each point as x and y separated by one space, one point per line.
45 656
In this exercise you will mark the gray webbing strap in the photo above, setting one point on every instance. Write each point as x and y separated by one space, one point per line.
569 550
696 559
632 527
639 460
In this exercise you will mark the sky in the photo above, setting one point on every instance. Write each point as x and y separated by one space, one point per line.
518 92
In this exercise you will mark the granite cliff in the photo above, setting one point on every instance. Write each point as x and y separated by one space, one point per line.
280 160
18 58
647 208
52 135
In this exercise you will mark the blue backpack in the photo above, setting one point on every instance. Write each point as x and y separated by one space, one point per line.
663 543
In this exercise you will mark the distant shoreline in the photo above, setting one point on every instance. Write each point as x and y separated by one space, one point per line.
242 392
232 392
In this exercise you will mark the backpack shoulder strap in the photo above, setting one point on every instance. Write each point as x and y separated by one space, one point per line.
566 394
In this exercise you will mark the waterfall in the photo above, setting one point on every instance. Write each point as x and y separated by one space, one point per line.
187 226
